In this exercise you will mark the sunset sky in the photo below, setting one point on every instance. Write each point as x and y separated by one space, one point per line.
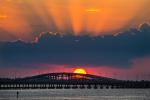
25 19
105 37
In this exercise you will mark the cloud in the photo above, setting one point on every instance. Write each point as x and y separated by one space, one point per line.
110 50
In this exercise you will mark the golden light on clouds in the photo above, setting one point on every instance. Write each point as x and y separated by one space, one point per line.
3 16
93 10
22 18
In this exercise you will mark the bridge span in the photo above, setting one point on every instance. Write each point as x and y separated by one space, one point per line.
69 81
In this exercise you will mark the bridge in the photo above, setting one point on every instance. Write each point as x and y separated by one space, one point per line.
69 81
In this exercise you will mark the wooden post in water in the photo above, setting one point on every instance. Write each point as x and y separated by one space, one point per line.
17 94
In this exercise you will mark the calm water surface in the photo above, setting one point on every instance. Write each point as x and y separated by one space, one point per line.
78 94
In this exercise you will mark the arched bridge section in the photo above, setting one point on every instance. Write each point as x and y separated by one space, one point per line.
68 80
68 77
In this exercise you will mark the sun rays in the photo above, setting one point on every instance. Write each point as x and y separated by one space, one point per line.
26 18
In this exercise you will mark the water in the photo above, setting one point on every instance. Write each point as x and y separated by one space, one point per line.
78 94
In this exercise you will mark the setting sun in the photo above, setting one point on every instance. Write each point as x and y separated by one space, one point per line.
80 71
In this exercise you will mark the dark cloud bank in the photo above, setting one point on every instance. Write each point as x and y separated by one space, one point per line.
116 51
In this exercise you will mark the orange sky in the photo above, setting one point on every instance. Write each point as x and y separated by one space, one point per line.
24 19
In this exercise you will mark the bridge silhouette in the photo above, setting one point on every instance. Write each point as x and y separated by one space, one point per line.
68 81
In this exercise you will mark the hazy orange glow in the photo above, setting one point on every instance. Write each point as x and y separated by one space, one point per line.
80 71
22 18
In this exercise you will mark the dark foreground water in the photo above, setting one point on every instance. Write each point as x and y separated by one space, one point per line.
78 94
